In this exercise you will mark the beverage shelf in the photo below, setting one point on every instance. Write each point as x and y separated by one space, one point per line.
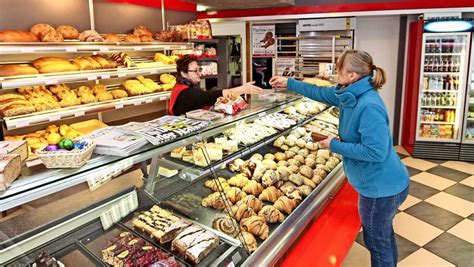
440 91
443 54
438 122
441 107
442 73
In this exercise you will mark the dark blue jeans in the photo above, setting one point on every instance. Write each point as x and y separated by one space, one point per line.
376 215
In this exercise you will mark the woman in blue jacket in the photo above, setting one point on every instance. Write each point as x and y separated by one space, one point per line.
371 164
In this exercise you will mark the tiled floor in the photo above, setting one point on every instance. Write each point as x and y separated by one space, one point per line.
435 225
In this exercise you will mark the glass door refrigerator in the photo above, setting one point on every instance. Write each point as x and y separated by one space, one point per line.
467 144
436 91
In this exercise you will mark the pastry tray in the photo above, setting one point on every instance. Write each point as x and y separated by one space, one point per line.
97 241
74 255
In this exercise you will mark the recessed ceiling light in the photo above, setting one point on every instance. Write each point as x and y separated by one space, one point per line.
449 26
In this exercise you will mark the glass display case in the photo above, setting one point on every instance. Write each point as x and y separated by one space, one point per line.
153 199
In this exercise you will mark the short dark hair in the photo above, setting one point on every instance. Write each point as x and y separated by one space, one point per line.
182 64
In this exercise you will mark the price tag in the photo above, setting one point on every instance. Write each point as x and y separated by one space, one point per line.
121 75
166 48
71 49
92 78
162 98
138 48
183 47
104 49
138 103
117 106
105 76
96 180
27 50
154 72
50 82
22 124
94 53
261 114
54 117
79 113
149 100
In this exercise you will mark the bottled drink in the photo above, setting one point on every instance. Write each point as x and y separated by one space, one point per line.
456 66
445 64
425 82
436 65
455 100
450 65
441 115
448 82
440 83
426 66
456 83
443 99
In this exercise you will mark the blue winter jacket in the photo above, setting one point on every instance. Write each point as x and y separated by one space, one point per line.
371 164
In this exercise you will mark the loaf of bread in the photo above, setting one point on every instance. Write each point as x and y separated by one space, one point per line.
104 63
12 70
54 64
119 93
83 63
68 32
132 38
112 37
51 36
40 28
17 36
146 38
142 30
10 169
90 36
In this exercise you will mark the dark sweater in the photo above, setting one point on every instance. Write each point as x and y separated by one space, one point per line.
194 98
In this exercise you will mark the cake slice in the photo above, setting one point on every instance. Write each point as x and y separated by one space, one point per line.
195 243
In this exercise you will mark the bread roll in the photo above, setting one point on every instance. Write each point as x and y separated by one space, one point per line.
146 38
68 32
12 70
17 36
112 37
51 36
58 67
119 93
83 63
104 63
132 38
40 29
43 61
95 65
142 30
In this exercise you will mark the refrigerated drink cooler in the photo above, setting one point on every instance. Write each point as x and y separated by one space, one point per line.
437 91
467 143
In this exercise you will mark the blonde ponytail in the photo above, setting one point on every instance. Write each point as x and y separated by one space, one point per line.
362 63
379 78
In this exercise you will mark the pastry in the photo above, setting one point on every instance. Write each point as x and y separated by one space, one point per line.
288 187
112 38
284 204
303 152
17 36
280 156
330 165
294 149
68 32
142 30
250 243
235 165
270 164
220 185
12 70
299 158
269 156
320 172
305 190
295 196
253 188
257 157
83 63
310 163
279 141
282 163
270 194
45 260
214 200
317 179
271 214
104 63
149 83
146 38
226 225
95 65
300 143
320 160
284 147
323 153
132 38
270 177
90 36
289 154
312 146
296 179
119 93
53 64
41 28
294 162
234 194
306 171
241 211
194 243
259 171
256 225
283 172
178 152
309 182
238 180
188 156
252 202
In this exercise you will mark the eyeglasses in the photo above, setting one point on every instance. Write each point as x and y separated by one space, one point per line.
196 70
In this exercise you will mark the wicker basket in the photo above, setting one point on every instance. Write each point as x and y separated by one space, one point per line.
66 159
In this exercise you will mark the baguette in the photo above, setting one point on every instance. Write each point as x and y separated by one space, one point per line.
12 70
17 36
43 61
104 63
6 98
58 67
95 65
16 110
82 63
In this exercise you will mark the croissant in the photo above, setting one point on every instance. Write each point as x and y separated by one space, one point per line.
214 186
249 241
288 187
253 188
214 200
234 194
252 202
309 183
235 165
305 190
226 225
242 211
284 173
317 179
270 177
284 204
271 214
296 196
306 171
259 171
238 180
296 179
270 194
256 225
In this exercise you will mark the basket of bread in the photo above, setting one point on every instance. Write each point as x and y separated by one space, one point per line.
67 153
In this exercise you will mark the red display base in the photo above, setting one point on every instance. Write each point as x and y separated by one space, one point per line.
329 238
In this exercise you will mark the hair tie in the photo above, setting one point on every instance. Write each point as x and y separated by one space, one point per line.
374 67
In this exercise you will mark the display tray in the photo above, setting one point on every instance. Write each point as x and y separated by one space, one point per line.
74 255
98 240
216 253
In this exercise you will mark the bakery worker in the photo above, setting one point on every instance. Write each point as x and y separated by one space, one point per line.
186 94
371 163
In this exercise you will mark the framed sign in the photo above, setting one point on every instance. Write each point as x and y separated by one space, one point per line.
263 40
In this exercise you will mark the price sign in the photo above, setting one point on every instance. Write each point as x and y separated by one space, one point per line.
149 100
104 49
54 117
92 78
71 49
105 76
117 106
79 113
138 48
27 50
50 82
162 98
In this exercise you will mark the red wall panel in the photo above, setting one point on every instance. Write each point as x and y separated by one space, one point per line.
178 5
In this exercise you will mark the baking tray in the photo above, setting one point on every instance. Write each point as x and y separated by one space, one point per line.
95 242
74 255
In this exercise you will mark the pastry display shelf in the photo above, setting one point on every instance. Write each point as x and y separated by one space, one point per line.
73 47
27 120
34 184
80 76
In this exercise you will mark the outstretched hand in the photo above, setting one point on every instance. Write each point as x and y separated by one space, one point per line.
250 88
279 82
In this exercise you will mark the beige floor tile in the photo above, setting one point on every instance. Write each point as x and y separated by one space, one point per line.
460 166
401 150
469 181
410 201
464 230
419 164
452 203
431 180
423 258
415 230
358 256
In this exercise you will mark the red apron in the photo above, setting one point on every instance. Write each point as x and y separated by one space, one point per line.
175 92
